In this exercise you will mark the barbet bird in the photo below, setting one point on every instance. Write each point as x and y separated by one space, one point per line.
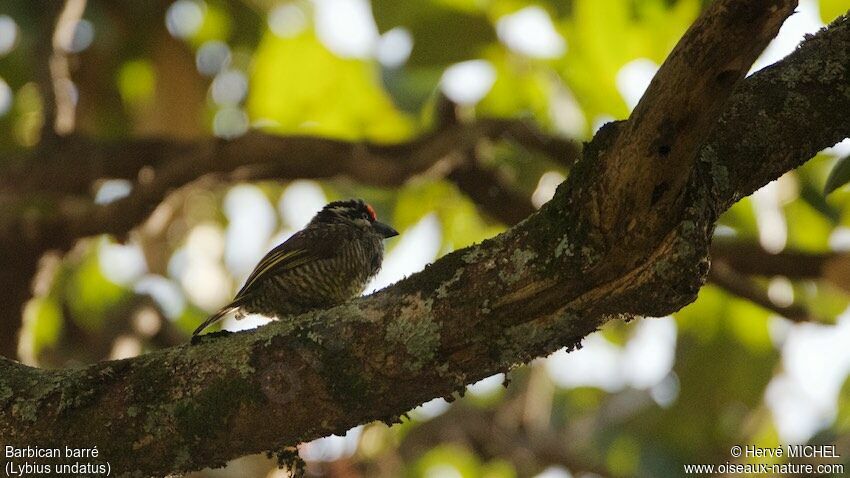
327 263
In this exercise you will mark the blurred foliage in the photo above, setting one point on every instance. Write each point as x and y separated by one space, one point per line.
839 176
455 461
136 82
604 35
236 68
444 31
303 88
831 9
461 225
521 88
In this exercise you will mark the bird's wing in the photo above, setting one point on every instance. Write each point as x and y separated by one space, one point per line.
302 248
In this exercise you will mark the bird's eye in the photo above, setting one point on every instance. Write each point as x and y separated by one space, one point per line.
371 213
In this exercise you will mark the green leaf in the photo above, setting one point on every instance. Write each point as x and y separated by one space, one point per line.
747 322
498 468
741 218
461 223
717 313
808 229
299 86
43 322
824 300
604 35
447 459
814 198
216 25
521 87
137 82
623 456
412 88
831 9
90 295
444 32
839 176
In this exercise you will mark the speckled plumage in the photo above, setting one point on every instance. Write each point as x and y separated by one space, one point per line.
327 263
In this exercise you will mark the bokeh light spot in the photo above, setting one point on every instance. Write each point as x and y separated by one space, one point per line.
83 37
530 31
287 20
346 27
184 18
8 34
394 47
633 79
5 98
468 82
212 57
230 122
229 87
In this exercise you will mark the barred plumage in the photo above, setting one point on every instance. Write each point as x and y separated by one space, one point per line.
327 263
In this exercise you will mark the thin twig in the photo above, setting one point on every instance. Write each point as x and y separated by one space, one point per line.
725 277
60 70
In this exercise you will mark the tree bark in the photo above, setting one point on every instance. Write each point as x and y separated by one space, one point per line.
581 260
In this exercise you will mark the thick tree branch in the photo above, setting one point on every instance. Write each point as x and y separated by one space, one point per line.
538 287
781 117
650 160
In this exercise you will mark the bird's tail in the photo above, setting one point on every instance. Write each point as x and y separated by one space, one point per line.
217 316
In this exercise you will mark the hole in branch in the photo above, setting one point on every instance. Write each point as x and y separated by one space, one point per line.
726 77
659 191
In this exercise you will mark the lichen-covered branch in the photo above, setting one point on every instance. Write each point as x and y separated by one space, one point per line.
650 159
782 116
544 284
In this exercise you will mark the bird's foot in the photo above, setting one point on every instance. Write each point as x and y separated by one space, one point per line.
197 339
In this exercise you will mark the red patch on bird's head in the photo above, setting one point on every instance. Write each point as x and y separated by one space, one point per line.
371 212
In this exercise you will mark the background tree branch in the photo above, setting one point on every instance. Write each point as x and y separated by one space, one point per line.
738 284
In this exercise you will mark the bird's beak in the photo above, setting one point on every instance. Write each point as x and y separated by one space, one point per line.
384 230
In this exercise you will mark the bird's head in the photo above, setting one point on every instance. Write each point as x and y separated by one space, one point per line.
355 212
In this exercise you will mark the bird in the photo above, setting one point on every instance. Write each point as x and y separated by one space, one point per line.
327 263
